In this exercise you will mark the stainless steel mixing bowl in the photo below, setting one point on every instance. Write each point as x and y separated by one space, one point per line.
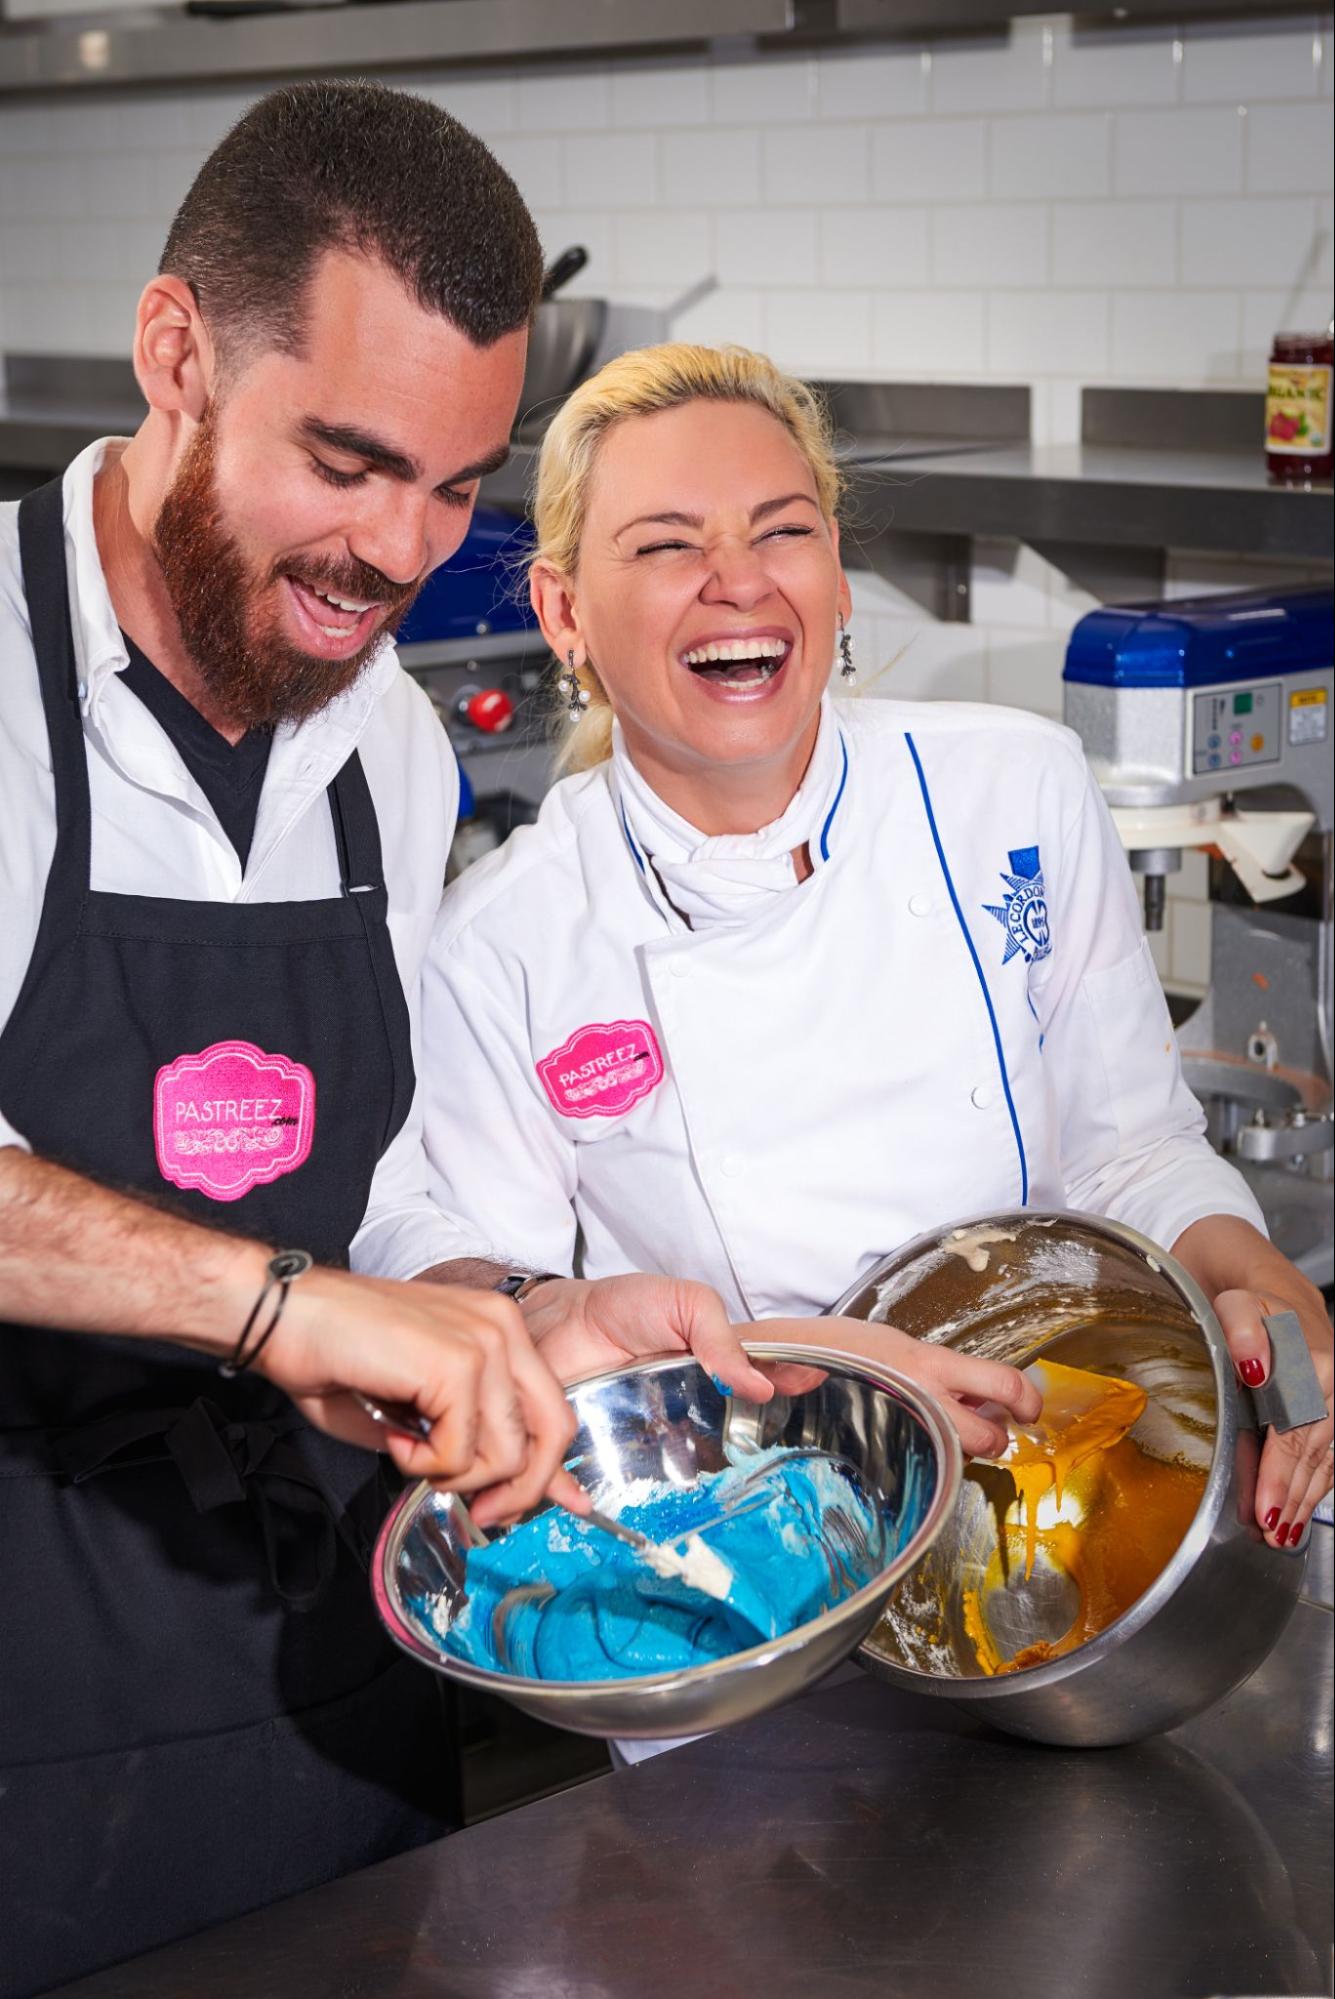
1091 1294
665 1419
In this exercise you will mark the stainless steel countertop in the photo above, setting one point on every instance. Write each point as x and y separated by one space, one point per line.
856 1841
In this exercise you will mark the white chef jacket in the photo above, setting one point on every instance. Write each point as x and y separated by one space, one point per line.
956 1014
154 832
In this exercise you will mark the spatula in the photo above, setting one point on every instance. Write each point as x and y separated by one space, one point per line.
694 1564
1082 1413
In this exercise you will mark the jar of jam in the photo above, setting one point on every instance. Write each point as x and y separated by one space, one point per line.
1297 409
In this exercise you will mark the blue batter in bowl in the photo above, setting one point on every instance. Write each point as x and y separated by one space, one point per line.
819 1503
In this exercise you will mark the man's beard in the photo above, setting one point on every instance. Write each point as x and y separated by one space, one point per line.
254 675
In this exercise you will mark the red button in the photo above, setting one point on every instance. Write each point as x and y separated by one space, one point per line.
489 710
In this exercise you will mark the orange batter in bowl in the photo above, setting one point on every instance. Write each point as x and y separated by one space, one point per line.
1105 1514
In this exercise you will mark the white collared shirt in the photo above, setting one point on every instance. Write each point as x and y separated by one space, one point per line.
155 834
956 1016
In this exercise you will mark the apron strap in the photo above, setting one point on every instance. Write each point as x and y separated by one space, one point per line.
46 587
356 830
361 866
224 1463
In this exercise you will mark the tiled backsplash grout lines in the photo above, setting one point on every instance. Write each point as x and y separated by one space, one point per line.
1059 206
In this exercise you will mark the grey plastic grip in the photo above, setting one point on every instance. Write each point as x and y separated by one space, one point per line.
1291 1394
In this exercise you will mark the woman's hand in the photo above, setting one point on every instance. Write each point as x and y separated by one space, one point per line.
1295 1468
975 1394
582 1327
1248 1280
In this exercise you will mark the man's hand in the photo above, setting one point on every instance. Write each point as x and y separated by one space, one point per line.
584 1327
76 1255
500 1423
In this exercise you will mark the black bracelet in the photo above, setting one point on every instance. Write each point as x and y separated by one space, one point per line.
282 1270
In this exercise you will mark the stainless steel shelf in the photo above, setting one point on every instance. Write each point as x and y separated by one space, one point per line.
1157 469
168 46
174 47
39 442
1110 495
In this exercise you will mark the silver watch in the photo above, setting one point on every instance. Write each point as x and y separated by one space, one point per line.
517 1284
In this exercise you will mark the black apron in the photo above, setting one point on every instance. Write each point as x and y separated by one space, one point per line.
199 1712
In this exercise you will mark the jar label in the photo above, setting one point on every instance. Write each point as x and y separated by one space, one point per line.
1297 411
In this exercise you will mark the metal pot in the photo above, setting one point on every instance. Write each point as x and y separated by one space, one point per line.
1093 1294
561 345
562 342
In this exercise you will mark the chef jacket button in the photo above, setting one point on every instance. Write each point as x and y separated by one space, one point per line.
730 1164
981 1097
920 905
678 967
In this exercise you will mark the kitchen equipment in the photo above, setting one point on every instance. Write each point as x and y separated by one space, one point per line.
1207 723
402 1419
480 593
565 335
473 643
1083 1415
471 638
567 266
1090 1294
665 1419
667 1558
571 338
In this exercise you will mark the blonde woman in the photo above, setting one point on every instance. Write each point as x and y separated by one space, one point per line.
778 981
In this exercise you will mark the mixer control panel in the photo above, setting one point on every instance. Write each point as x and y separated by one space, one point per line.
1233 727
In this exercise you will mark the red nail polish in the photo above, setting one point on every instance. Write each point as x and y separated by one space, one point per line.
1282 1535
1252 1372
1272 1520
1295 1534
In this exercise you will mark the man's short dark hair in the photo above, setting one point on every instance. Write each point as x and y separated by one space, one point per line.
359 167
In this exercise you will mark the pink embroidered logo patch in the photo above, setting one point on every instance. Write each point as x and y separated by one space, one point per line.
232 1118
603 1069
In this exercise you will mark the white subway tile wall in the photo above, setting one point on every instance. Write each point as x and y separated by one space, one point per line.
1054 206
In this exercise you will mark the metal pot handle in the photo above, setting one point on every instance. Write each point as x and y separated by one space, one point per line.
1291 1394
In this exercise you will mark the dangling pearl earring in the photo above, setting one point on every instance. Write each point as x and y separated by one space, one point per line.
576 697
848 673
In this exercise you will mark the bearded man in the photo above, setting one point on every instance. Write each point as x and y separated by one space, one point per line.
224 817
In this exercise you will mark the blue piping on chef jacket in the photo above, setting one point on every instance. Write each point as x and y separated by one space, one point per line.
987 997
824 831
829 817
630 840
